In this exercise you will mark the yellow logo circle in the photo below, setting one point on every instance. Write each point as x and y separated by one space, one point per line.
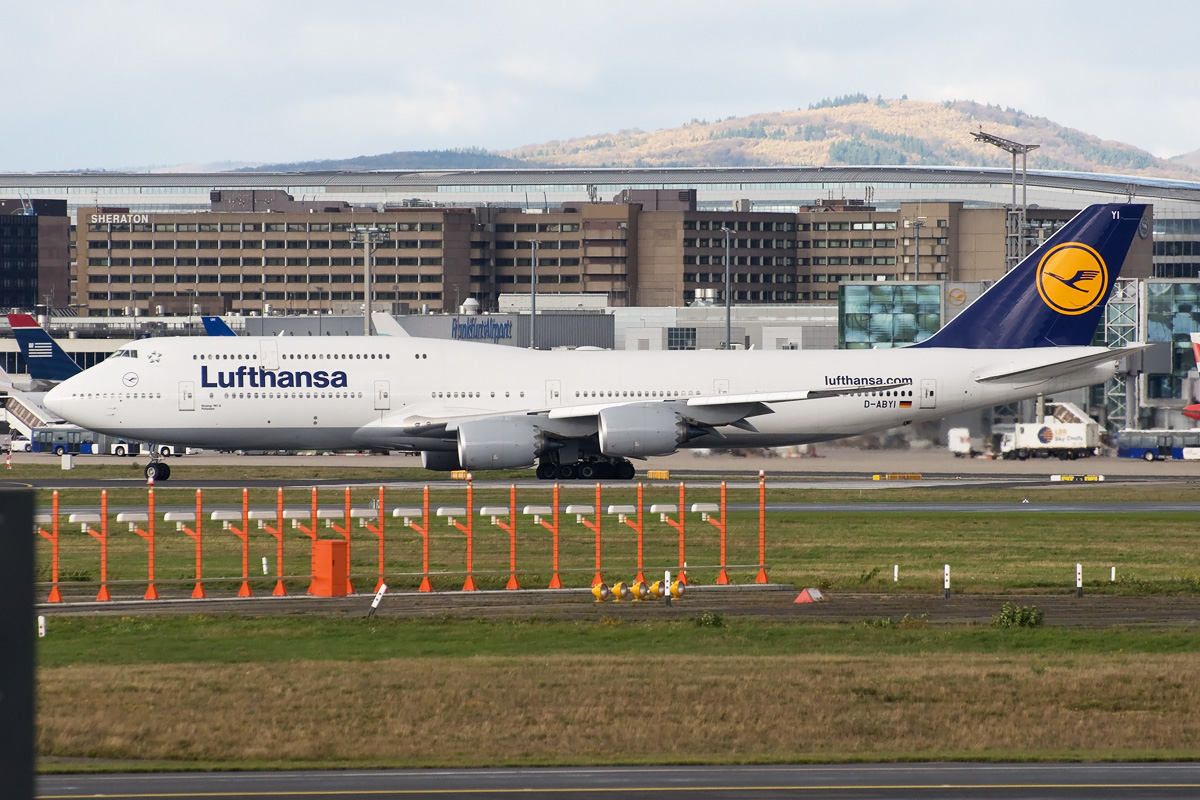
956 296
1072 278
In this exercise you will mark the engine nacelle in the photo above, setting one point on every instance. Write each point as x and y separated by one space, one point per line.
646 429
498 444
440 460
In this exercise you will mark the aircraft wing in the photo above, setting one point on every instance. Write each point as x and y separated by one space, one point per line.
583 420
1057 368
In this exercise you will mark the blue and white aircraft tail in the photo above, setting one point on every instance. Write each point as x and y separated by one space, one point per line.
215 326
1055 296
48 364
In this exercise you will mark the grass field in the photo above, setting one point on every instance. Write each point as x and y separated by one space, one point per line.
250 693
243 692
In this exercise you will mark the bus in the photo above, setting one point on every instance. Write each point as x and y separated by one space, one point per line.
66 438
1159 444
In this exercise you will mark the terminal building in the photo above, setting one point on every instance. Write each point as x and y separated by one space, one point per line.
817 257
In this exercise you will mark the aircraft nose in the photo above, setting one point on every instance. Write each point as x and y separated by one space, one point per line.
55 399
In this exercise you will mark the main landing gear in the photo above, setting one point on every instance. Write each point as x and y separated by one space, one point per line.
586 470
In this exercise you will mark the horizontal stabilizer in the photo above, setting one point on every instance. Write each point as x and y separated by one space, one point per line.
1057 368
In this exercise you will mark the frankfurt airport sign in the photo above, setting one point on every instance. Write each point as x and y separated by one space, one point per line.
477 329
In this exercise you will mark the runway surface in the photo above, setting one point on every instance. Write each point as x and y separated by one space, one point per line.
1155 780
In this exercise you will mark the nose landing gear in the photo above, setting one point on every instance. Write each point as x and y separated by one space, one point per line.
158 471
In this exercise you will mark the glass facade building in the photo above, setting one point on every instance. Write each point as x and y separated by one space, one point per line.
879 315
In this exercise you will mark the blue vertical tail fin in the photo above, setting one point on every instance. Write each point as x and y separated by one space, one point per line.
215 326
1055 296
44 359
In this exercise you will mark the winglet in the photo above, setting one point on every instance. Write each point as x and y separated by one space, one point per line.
1054 297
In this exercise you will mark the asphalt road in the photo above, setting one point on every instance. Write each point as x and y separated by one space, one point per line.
1152 780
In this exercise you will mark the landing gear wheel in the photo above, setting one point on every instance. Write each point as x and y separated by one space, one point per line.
157 471
625 470
545 471
566 472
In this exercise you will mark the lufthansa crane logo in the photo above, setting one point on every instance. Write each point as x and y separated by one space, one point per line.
1072 278
130 379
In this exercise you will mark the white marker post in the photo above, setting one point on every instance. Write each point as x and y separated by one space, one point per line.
264 565
946 582
895 573
1079 580
1113 578
378 597
41 627
667 586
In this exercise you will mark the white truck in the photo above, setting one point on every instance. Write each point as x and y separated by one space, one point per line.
961 445
1066 432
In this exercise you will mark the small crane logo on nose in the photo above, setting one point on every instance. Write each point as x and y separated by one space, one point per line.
130 379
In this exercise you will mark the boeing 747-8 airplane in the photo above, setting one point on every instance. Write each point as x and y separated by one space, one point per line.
585 413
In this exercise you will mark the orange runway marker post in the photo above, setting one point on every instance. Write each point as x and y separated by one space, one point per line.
378 530
762 529
227 520
277 532
468 529
623 515
408 515
311 533
197 535
55 594
538 512
706 511
148 535
594 525
680 525
496 512
85 520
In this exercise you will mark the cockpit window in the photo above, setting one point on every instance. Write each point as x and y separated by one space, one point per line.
125 353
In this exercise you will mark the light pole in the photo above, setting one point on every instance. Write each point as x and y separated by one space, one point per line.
369 238
1015 148
728 292
533 297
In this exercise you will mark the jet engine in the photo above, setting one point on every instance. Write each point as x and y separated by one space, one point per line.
498 444
639 430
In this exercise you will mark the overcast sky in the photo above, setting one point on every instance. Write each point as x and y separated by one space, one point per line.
121 84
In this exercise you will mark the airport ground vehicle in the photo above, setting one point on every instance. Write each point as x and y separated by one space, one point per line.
1159 444
128 447
1066 432
67 438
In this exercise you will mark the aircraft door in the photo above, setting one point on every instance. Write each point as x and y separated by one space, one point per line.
721 386
187 396
928 393
269 353
553 394
383 396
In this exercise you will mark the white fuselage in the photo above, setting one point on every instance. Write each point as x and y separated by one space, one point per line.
357 392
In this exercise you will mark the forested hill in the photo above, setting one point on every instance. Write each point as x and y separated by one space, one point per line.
852 130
